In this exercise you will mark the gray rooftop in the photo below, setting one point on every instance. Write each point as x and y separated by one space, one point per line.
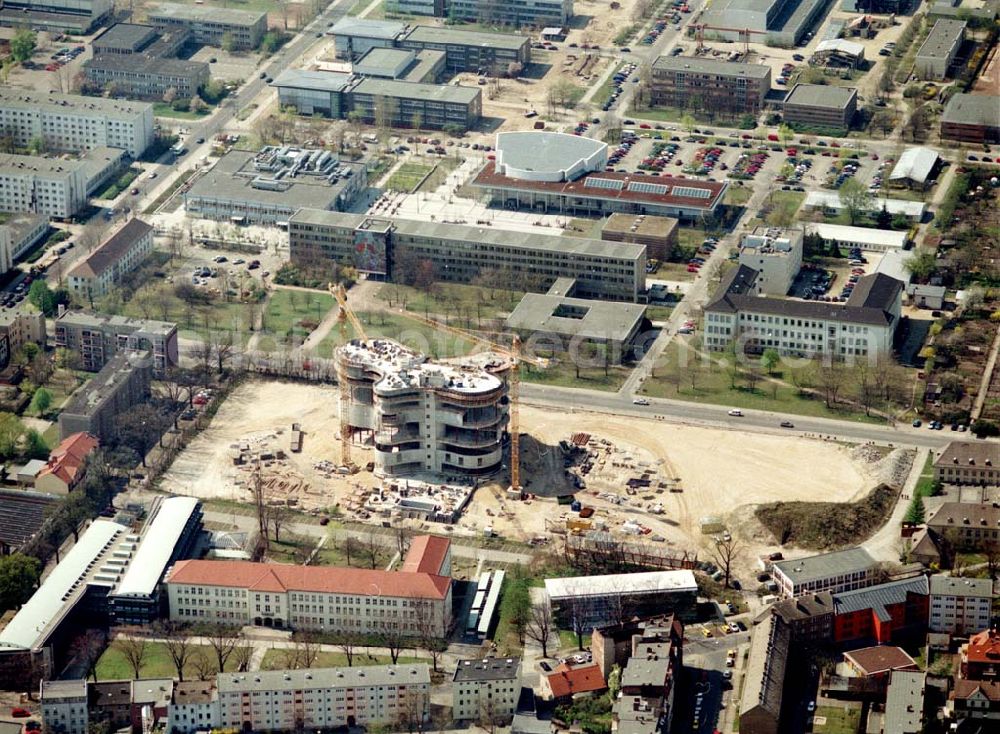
319 81
764 677
914 164
711 66
462 37
943 37
825 565
447 93
821 95
11 164
143 63
296 680
548 151
105 384
391 62
213 14
904 702
364 28
487 669
65 104
973 109
97 320
160 535
53 690
605 320
878 597
952 586
126 36
20 223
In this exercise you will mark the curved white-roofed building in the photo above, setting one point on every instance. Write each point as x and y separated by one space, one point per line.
548 156
446 417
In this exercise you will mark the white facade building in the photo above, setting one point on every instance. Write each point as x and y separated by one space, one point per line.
194 706
118 255
486 690
960 606
70 122
864 238
48 186
845 570
325 698
776 255
939 49
64 706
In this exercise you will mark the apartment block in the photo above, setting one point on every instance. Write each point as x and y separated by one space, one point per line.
48 186
968 463
939 49
56 16
703 83
19 233
834 572
70 122
194 706
821 106
537 13
764 677
472 51
397 696
210 24
965 524
315 597
17 328
96 338
117 256
64 706
610 270
594 601
486 690
883 613
121 384
960 606
776 255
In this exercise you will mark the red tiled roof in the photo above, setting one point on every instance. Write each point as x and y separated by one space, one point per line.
427 554
966 688
274 577
566 681
67 459
984 647
489 177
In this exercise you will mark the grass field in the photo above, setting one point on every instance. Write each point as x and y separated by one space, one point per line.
162 109
838 720
201 320
465 306
737 195
783 207
408 176
158 664
276 659
433 342
292 315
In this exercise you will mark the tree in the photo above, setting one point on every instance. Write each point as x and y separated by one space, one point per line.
141 427
855 198
278 516
432 631
227 43
22 45
41 401
197 104
242 656
348 642
785 133
724 551
169 95
370 548
884 120
223 639
86 650
395 642
18 579
921 265
831 379
134 647
515 603
541 626
769 360
915 511
177 640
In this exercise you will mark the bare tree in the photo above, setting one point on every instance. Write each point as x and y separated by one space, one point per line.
432 630
349 642
831 379
371 548
242 656
134 647
203 666
278 515
724 551
223 640
304 651
395 642
177 640
541 627
86 651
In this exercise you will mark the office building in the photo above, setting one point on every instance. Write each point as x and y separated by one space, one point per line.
593 601
764 677
971 118
405 65
19 233
658 234
835 572
315 597
938 50
96 338
73 123
102 166
131 39
865 324
121 384
556 172
614 271
486 690
702 83
883 613
776 255
325 698
402 103
774 22
314 92
353 37
821 107
112 260
17 328
965 525
425 416
47 186
79 17
212 25
65 465
470 51
866 239
968 463
64 706
537 13
417 7
960 606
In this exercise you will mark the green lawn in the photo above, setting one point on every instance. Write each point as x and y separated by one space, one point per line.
211 317
433 342
839 720
464 306
562 373
276 659
659 313
120 185
162 109
567 640
737 195
408 176
604 91
292 315
925 485
158 664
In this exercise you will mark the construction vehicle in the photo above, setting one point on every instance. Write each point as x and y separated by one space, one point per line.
345 315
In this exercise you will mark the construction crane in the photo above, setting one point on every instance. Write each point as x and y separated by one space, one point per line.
700 28
513 384
345 315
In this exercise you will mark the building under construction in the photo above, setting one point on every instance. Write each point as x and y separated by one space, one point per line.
449 418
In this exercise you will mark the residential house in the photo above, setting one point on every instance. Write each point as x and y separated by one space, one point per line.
975 700
960 606
568 680
764 677
65 465
486 690
968 462
121 384
981 657
193 707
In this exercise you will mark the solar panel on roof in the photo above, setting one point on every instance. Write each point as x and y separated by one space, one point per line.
604 183
646 187
691 192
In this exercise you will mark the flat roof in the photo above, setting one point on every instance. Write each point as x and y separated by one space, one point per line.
861 235
391 62
629 583
972 109
943 37
160 535
350 677
319 81
915 164
955 586
126 35
831 200
448 93
363 27
211 14
824 96
65 104
825 565
644 225
487 669
144 63
105 383
712 66
13 164
548 151
764 677
541 312
95 320
32 622
460 36
904 702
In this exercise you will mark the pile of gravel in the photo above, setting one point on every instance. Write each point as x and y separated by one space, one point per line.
892 469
